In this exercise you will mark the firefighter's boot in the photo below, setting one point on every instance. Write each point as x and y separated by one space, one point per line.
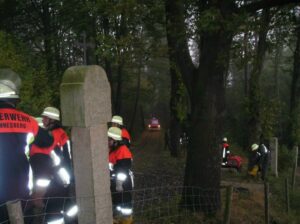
126 220
254 171
115 221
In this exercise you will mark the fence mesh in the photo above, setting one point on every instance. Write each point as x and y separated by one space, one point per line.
156 199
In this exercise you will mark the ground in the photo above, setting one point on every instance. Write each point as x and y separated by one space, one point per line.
159 181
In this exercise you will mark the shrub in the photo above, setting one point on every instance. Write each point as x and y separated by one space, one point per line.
285 158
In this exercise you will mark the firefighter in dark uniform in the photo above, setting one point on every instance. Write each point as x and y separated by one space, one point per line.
117 121
225 151
17 131
120 161
42 172
53 165
264 160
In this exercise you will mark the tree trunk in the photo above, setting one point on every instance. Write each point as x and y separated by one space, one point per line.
137 96
246 65
295 92
254 123
204 158
181 66
91 57
48 47
118 95
107 62
121 32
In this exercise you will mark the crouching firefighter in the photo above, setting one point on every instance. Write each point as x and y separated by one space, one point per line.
120 161
254 160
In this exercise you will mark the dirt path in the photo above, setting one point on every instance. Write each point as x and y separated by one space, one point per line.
152 164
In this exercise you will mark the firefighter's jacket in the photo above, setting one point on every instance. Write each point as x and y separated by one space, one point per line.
17 131
53 164
48 161
225 153
120 162
126 137
254 159
60 139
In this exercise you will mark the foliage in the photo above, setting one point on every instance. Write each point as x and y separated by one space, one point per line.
295 201
295 126
285 158
182 103
269 117
34 91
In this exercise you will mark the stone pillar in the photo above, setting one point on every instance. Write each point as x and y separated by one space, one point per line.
274 155
86 107
14 209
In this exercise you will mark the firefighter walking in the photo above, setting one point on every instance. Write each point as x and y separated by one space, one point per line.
120 162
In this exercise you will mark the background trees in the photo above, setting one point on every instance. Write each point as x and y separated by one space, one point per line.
219 67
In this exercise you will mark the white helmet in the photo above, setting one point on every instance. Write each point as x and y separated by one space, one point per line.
117 119
115 133
254 147
51 112
224 139
10 84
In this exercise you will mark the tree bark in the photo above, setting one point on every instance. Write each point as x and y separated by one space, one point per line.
181 66
137 96
121 32
246 64
254 123
295 93
203 158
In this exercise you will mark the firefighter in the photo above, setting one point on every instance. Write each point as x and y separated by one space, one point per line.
264 160
17 131
120 162
63 181
42 172
254 160
225 151
52 170
117 121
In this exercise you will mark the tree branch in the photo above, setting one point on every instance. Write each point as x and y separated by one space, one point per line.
253 7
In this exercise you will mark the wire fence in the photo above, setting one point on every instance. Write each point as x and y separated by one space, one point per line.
156 200
151 205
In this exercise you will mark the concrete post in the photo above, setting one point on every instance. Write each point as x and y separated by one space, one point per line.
274 155
15 213
86 107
